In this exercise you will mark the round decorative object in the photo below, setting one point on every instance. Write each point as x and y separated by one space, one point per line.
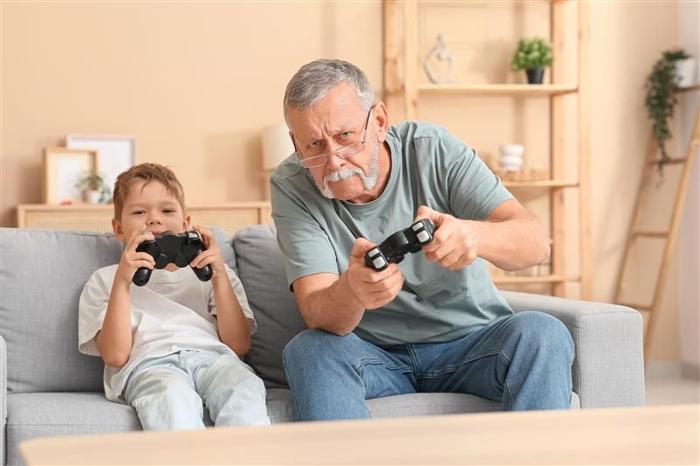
511 157
438 62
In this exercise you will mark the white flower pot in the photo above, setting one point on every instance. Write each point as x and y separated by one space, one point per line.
511 157
686 70
92 197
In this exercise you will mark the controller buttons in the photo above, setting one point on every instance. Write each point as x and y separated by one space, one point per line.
378 261
423 236
161 261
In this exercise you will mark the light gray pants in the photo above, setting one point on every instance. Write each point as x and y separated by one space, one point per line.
170 392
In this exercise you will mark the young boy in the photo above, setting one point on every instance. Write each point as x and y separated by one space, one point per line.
174 344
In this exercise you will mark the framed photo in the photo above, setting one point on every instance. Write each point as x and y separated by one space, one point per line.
115 153
63 168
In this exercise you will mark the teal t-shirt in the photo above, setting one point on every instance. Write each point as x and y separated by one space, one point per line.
429 167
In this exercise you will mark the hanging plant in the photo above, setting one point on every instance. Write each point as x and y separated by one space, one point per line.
661 86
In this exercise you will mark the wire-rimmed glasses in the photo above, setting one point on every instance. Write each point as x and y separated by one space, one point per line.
343 152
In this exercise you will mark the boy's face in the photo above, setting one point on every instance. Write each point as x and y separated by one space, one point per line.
149 206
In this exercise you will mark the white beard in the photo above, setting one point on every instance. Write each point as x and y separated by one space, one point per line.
369 180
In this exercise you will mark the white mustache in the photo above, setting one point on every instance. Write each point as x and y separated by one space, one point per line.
343 174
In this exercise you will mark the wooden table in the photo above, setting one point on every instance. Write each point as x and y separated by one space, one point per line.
650 435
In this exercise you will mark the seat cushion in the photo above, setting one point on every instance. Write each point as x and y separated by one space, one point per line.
413 404
261 270
31 415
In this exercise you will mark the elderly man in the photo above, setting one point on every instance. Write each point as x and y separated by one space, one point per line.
433 323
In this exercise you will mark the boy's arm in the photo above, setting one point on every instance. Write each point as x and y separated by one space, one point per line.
114 340
232 324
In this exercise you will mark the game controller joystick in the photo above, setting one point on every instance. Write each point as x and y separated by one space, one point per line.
396 246
170 248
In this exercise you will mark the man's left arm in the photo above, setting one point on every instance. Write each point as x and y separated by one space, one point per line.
511 238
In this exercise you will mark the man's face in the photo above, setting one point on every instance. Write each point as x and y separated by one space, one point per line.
149 206
335 121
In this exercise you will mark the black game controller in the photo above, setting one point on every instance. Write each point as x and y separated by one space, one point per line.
170 248
392 249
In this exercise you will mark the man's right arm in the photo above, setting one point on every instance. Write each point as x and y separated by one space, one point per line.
335 303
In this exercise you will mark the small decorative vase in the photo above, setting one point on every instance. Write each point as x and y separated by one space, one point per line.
92 196
686 69
535 75
511 157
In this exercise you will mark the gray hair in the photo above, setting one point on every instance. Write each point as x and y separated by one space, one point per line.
315 79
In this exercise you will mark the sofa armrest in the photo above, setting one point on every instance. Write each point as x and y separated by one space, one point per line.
3 397
609 366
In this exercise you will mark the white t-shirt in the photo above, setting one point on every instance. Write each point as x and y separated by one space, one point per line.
174 311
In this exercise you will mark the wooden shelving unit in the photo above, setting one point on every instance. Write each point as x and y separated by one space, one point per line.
505 280
499 89
98 217
401 78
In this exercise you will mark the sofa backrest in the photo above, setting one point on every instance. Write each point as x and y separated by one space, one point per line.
41 276
42 273
261 270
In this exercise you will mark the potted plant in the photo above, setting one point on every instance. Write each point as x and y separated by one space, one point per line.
532 55
93 188
661 86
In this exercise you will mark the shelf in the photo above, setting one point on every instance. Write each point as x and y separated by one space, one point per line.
541 184
670 161
499 89
695 87
505 280
567 136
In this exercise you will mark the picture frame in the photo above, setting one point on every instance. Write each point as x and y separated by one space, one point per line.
63 168
115 153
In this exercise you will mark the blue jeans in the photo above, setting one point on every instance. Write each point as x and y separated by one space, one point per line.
523 361
170 392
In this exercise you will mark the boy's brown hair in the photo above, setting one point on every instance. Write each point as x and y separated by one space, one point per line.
147 172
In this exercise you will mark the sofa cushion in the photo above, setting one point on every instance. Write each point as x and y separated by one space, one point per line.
42 273
31 415
41 276
261 271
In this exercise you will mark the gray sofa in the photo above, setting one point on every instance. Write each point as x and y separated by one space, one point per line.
48 388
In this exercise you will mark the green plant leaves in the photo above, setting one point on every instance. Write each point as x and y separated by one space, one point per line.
660 101
531 54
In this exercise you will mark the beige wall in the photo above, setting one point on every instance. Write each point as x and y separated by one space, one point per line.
688 247
195 82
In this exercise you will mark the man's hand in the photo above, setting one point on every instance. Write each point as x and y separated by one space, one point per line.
131 260
211 256
455 242
371 289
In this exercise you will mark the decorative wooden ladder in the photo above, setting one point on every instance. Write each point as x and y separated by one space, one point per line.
669 235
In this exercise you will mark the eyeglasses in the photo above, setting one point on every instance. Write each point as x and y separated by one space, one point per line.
343 152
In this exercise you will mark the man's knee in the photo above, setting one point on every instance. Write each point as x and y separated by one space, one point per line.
543 332
314 344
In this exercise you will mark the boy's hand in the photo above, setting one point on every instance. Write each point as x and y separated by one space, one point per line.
212 254
131 260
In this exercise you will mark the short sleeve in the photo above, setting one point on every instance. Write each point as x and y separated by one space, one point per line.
305 245
91 312
474 190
